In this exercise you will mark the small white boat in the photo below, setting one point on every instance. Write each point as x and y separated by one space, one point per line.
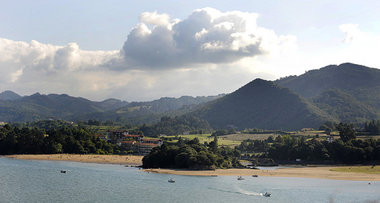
240 178
266 194
171 180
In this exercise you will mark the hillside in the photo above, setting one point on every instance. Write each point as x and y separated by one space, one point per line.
9 95
345 107
62 106
348 92
346 77
262 104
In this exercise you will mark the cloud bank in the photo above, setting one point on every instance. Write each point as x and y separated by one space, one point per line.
191 51
206 36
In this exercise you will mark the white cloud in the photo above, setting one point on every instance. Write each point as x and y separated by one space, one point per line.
206 36
207 53
359 46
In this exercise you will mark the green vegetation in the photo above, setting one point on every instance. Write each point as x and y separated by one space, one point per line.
191 154
372 127
344 93
176 126
203 138
65 139
286 148
262 104
359 169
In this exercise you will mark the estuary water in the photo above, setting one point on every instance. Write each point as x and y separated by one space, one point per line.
42 181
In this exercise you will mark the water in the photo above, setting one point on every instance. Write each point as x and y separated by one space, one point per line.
41 181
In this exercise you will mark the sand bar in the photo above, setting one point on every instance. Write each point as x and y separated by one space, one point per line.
304 172
87 158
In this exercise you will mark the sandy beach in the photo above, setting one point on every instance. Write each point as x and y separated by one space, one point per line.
304 172
324 172
87 158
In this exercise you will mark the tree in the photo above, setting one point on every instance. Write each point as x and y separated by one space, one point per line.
346 132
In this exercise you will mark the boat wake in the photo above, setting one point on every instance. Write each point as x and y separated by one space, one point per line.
241 192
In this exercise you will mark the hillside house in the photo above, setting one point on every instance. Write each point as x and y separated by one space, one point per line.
142 146
136 143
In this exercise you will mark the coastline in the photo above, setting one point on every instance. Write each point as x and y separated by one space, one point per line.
131 160
320 172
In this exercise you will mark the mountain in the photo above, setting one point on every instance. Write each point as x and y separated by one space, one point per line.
262 104
151 112
37 106
345 107
348 92
111 104
62 106
9 95
345 77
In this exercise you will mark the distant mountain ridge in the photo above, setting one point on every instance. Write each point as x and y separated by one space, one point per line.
63 106
9 95
338 93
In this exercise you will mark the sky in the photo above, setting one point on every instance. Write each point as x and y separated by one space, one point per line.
144 50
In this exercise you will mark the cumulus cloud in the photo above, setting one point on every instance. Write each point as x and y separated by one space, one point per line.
17 56
199 51
206 36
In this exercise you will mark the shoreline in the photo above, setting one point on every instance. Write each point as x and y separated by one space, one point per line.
320 172
130 160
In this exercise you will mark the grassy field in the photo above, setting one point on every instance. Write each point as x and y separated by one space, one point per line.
207 138
241 137
359 169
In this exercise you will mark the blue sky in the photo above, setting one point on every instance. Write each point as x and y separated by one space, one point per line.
143 50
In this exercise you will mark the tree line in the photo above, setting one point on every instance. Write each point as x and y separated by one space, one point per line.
64 139
191 154
175 126
347 149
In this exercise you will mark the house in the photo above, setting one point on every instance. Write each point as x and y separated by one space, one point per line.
330 139
136 143
142 147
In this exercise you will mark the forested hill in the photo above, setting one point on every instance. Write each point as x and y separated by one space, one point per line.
349 92
345 77
9 95
15 108
262 104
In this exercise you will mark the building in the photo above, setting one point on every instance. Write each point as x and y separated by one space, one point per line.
141 147
136 143
330 139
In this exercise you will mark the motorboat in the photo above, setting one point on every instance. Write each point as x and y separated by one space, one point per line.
266 194
255 176
62 171
240 178
171 180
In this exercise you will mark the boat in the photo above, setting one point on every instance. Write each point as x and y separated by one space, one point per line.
255 176
240 178
171 180
266 194
62 171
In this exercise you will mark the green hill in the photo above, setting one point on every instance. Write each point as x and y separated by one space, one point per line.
348 92
346 77
9 96
262 104
39 106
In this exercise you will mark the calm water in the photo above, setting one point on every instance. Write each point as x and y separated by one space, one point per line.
41 181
